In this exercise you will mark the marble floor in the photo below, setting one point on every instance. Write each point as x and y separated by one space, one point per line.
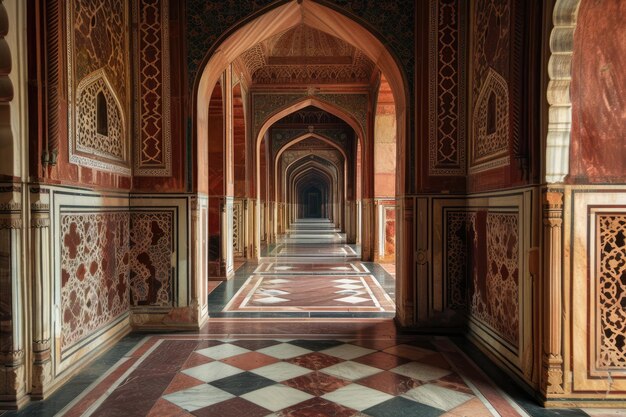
286 368
196 376
309 272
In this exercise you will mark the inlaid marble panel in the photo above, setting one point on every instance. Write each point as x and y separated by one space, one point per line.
151 249
94 272
311 293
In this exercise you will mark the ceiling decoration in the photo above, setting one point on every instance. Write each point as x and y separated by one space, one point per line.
306 55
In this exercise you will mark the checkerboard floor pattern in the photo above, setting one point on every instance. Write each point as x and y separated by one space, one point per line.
305 378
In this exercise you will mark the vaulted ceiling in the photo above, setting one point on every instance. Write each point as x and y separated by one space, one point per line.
303 54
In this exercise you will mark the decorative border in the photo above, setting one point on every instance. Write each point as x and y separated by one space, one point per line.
165 169
436 109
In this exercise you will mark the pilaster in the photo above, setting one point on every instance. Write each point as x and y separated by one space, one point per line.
41 291
552 358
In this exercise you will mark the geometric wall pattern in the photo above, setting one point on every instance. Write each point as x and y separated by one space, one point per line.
97 54
456 253
94 272
491 40
495 297
151 249
264 105
88 141
482 269
490 147
611 295
447 92
153 155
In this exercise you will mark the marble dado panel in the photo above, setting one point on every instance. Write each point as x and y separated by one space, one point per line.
116 258
95 266
597 300
480 258
98 76
152 273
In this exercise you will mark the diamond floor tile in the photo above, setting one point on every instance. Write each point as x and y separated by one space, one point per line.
347 351
198 397
250 360
357 397
437 397
242 383
315 361
318 407
420 371
281 371
351 370
284 351
212 371
316 345
401 407
276 397
393 384
222 351
235 407
316 383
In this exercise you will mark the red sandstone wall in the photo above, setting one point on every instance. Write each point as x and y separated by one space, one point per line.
598 93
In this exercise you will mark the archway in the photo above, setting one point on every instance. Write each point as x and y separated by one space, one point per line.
280 188
340 26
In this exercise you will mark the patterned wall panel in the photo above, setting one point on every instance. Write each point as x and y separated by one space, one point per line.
151 248
611 297
479 268
490 75
98 79
153 147
597 302
94 272
238 228
456 253
494 293
447 43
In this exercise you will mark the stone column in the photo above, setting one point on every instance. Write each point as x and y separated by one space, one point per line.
42 279
552 358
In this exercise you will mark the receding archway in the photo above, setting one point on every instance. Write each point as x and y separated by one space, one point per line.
332 22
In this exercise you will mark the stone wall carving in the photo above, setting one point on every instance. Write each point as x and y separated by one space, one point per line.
97 52
490 75
266 104
447 88
456 256
208 20
494 295
238 228
490 147
89 141
611 294
94 272
153 153
151 249
280 137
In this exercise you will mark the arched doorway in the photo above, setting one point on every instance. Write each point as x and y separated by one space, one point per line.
331 22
